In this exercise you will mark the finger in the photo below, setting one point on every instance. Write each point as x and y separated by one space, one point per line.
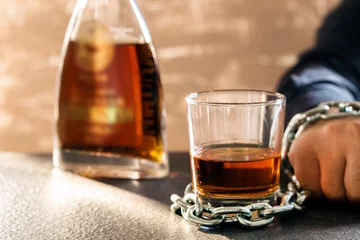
332 171
352 177
306 167
332 161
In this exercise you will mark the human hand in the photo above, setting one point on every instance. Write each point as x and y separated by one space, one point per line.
326 159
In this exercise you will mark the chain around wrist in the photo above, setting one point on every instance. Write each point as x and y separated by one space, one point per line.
291 193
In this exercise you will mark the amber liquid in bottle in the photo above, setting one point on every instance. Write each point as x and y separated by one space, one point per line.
110 112
235 171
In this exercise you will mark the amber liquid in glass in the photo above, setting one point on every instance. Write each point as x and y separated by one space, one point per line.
110 107
235 171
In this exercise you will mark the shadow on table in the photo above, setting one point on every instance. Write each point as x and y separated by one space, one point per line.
160 189
321 220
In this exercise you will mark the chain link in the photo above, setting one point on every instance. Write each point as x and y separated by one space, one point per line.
292 195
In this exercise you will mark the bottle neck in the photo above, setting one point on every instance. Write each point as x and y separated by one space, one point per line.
121 18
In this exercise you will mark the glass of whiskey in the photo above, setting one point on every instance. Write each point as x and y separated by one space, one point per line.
235 143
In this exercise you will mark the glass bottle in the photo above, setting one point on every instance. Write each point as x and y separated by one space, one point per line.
109 111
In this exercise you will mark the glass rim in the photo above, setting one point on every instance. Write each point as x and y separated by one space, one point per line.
280 98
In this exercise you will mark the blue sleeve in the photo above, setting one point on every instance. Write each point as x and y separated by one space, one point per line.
331 69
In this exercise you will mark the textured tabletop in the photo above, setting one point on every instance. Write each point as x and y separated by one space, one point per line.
39 202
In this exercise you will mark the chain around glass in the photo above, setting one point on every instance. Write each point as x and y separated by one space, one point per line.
291 195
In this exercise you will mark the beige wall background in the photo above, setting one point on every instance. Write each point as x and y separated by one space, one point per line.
201 44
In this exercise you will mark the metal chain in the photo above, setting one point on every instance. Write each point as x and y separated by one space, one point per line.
291 193
298 124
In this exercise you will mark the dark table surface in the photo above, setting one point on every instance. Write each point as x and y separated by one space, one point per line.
40 202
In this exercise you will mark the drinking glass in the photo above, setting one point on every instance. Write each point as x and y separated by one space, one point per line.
235 143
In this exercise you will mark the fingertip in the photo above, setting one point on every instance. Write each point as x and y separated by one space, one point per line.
335 196
354 198
352 177
333 188
315 193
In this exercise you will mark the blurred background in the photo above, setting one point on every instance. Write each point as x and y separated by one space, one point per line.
201 45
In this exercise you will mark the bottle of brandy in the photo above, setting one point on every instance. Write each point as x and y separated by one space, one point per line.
109 111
